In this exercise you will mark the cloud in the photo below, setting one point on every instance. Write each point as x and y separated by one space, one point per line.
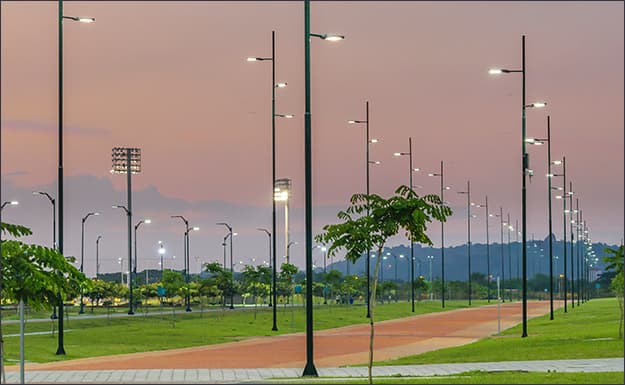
33 126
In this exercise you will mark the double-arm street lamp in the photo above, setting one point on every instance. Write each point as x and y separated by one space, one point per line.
485 205
231 262
147 221
60 348
550 188
309 369
564 211
411 170
367 163
187 229
82 256
468 194
572 222
524 168
272 254
443 188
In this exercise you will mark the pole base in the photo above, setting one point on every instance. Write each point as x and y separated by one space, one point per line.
188 309
310 370
60 351
274 329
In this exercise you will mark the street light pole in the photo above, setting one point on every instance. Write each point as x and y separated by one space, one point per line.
53 202
443 188
60 348
186 256
148 221
410 171
309 369
367 164
272 256
524 169
571 220
161 252
272 284
468 193
487 247
231 263
82 256
97 257
564 211
549 190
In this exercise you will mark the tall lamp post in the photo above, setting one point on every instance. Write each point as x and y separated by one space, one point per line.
572 222
367 163
564 212
430 259
500 216
524 168
272 255
82 256
288 250
443 188
97 257
309 369
468 194
273 273
282 193
161 252
53 202
550 188
148 221
231 262
485 205
509 228
186 255
60 348
410 171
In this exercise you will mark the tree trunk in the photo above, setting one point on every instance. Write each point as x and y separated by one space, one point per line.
372 307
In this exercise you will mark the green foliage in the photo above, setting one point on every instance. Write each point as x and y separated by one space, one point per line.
221 279
615 263
172 281
35 273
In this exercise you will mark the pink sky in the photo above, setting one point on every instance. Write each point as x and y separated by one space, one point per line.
171 78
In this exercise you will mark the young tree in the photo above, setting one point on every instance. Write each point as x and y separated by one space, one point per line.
222 278
34 274
615 262
379 219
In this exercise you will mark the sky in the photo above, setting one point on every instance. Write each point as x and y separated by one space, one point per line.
171 78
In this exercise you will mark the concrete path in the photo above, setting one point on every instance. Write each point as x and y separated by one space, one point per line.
216 376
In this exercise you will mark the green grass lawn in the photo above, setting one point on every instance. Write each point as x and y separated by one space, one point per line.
103 336
511 377
588 331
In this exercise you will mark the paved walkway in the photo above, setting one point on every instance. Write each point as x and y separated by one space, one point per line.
332 348
215 376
